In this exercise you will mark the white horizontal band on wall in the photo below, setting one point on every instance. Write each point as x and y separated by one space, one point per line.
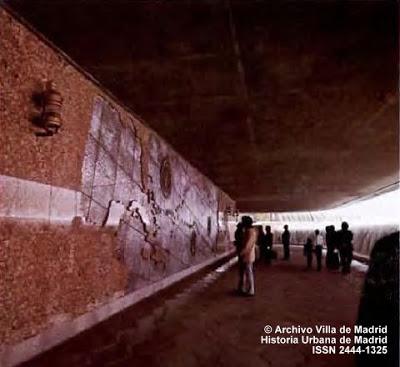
25 199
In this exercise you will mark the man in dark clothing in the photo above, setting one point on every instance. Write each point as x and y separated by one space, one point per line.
345 238
335 261
239 236
332 257
286 242
319 244
329 245
308 251
261 243
269 237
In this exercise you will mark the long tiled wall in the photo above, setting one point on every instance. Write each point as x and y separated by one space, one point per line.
91 214
159 233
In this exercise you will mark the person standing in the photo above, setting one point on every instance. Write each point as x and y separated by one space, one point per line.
269 238
239 234
335 264
379 302
319 243
248 255
308 251
329 233
345 239
286 242
260 248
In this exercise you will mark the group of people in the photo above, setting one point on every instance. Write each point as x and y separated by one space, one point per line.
247 238
339 248
342 242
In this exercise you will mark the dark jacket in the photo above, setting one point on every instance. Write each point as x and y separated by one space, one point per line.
286 238
345 239
239 237
269 239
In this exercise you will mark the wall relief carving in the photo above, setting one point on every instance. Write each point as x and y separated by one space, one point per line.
193 243
166 178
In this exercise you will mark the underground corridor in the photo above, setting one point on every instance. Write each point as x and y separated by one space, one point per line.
199 183
203 322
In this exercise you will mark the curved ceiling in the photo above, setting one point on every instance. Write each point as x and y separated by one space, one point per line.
286 105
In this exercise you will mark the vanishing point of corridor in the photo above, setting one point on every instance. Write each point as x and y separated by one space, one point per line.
138 139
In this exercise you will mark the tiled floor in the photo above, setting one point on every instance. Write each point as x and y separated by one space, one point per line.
203 322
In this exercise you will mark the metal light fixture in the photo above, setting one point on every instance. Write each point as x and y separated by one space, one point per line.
51 109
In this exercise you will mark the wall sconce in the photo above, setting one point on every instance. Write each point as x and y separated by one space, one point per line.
51 109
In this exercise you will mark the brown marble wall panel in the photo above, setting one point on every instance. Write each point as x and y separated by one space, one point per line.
53 270
101 154
25 63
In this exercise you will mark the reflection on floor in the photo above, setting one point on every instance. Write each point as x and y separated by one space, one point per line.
202 322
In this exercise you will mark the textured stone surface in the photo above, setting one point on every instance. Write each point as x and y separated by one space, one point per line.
203 323
52 270
58 333
24 64
155 231
303 117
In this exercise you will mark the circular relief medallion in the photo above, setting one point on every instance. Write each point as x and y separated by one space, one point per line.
166 178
